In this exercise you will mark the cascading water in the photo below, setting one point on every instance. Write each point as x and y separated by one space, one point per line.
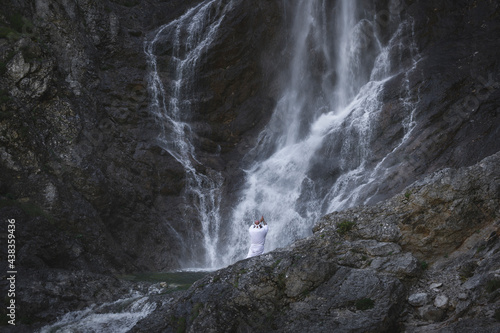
190 37
316 154
114 317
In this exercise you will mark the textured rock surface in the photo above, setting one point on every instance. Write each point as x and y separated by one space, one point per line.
79 143
81 172
359 276
432 217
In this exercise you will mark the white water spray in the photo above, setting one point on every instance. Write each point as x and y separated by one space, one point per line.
190 37
114 317
316 149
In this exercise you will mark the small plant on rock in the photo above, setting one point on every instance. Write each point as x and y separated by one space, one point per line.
492 285
364 304
467 270
344 227
423 265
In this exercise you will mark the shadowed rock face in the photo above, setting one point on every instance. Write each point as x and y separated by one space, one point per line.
78 141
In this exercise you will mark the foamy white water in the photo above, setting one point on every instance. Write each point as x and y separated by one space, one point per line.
313 131
115 317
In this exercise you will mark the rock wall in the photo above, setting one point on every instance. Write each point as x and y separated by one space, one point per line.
78 143
82 174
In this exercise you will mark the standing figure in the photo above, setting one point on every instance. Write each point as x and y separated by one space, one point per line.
258 232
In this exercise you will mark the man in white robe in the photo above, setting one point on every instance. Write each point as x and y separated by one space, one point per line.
258 233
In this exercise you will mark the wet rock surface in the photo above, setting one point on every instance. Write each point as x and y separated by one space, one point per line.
357 273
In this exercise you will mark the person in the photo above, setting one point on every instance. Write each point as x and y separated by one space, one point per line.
258 233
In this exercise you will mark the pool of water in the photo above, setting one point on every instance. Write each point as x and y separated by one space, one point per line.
180 280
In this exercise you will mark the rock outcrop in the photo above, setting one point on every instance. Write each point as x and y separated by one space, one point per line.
364 270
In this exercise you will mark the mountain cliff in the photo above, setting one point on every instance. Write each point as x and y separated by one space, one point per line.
94 191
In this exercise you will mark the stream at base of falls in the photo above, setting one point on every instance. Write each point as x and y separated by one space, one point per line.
121 315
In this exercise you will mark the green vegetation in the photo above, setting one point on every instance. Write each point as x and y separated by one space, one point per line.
175 280
275 264
492 285
180 323
423 264
15 26
467 270
344 227
17 22
407 194
497 314
28 208
237 281
481 248
196 310
6 32
364 304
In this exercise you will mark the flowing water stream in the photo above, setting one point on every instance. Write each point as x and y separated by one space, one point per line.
113 317
190 37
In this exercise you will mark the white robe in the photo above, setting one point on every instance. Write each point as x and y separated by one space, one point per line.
257 240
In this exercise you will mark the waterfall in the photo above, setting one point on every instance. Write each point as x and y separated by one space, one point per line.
317 154
189 37
319 151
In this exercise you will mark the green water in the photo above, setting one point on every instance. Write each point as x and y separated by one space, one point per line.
174 280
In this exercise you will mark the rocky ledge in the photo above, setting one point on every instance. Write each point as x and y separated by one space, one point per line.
426 260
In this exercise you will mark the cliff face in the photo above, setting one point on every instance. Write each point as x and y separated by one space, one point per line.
82 173
79 148
75 139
